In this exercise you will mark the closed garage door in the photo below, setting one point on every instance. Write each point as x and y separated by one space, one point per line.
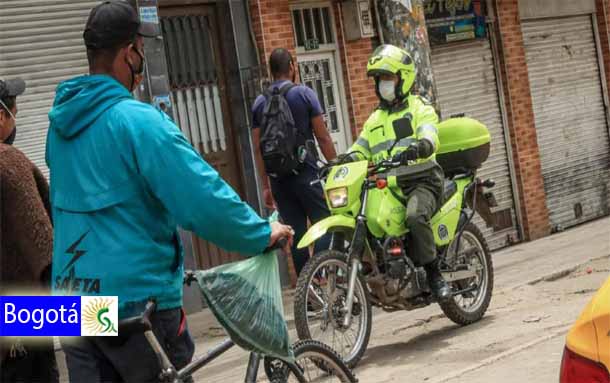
466 83
570 117
41 41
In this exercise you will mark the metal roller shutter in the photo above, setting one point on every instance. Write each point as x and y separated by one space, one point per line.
570 117
42 43
466 83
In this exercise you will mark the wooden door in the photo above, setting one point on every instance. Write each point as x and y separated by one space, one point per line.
199 92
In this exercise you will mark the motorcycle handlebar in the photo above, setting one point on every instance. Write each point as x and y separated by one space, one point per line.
386 165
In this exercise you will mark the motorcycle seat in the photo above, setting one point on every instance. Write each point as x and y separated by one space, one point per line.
449 190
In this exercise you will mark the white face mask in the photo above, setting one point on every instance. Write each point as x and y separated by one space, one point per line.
387 90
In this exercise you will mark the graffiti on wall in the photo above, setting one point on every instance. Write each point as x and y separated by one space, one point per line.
403 24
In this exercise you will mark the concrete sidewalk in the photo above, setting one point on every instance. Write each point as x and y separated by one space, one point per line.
515 266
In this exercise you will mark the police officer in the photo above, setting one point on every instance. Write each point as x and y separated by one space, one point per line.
421 179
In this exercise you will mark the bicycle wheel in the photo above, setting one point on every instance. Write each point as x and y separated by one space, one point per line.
314 362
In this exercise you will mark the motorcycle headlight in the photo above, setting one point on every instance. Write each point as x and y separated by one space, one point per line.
337 197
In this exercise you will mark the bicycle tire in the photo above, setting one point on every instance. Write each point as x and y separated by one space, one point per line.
323 358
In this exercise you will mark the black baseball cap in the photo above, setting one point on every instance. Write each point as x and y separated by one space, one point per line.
11 88
113 23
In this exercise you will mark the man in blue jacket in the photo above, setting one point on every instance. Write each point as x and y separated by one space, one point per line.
123 178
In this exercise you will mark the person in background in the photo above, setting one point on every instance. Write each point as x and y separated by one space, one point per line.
26 243
296 198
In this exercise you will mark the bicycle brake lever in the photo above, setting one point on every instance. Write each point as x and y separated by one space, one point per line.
189 277
279 244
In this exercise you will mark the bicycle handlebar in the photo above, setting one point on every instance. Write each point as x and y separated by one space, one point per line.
140 323
279 244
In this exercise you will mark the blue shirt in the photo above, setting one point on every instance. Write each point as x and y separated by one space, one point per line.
303 103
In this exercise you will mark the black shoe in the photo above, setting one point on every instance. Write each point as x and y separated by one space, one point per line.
437 283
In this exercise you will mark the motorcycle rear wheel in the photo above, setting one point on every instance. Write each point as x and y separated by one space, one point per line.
468 308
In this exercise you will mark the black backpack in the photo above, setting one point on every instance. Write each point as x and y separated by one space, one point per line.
280 144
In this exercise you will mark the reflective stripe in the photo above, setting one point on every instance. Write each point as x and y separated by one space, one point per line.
427 129
381 147
406 142
364 143
430 133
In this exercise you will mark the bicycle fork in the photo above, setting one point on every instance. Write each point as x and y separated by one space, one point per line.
252 371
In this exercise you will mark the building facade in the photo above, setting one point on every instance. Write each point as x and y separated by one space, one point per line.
536 72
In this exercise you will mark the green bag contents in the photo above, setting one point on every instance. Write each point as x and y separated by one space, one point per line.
246 298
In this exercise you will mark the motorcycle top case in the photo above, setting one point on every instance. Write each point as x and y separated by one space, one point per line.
464 145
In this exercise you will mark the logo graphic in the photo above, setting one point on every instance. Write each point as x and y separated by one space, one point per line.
68 281
99 316
341 173
77 253
374 59
443 232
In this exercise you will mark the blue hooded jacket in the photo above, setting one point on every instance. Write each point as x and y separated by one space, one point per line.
123 177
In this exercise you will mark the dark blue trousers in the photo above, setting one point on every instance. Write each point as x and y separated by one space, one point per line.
297 200
129 359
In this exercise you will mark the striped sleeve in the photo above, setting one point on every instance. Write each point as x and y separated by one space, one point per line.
362 146
427 119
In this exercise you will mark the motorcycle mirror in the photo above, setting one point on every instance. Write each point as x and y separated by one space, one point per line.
402 127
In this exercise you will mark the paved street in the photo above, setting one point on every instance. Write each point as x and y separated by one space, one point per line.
540 289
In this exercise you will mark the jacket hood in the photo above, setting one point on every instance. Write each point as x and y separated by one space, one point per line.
80 101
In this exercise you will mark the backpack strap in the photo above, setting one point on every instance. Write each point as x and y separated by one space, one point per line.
286 88
271 91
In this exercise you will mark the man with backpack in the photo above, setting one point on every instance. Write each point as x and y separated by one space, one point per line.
287 119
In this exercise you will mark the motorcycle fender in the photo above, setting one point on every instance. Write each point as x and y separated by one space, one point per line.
484 203
331 223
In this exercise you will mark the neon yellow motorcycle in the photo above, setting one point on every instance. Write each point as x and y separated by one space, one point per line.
368 263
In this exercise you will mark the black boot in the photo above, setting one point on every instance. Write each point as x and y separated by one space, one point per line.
437 283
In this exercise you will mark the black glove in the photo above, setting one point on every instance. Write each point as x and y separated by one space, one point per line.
420 149
425 148
409 154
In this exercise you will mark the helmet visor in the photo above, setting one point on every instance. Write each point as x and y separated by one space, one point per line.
393 53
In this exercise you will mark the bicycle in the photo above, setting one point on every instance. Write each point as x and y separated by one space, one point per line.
310 357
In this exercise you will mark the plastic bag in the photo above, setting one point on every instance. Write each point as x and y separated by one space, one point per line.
246 298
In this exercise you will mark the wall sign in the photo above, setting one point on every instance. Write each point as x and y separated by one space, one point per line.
366 19
358 20
454 20
312 44
149 15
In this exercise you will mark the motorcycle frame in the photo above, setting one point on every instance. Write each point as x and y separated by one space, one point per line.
359 239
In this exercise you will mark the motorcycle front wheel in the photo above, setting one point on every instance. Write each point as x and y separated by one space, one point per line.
319 306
